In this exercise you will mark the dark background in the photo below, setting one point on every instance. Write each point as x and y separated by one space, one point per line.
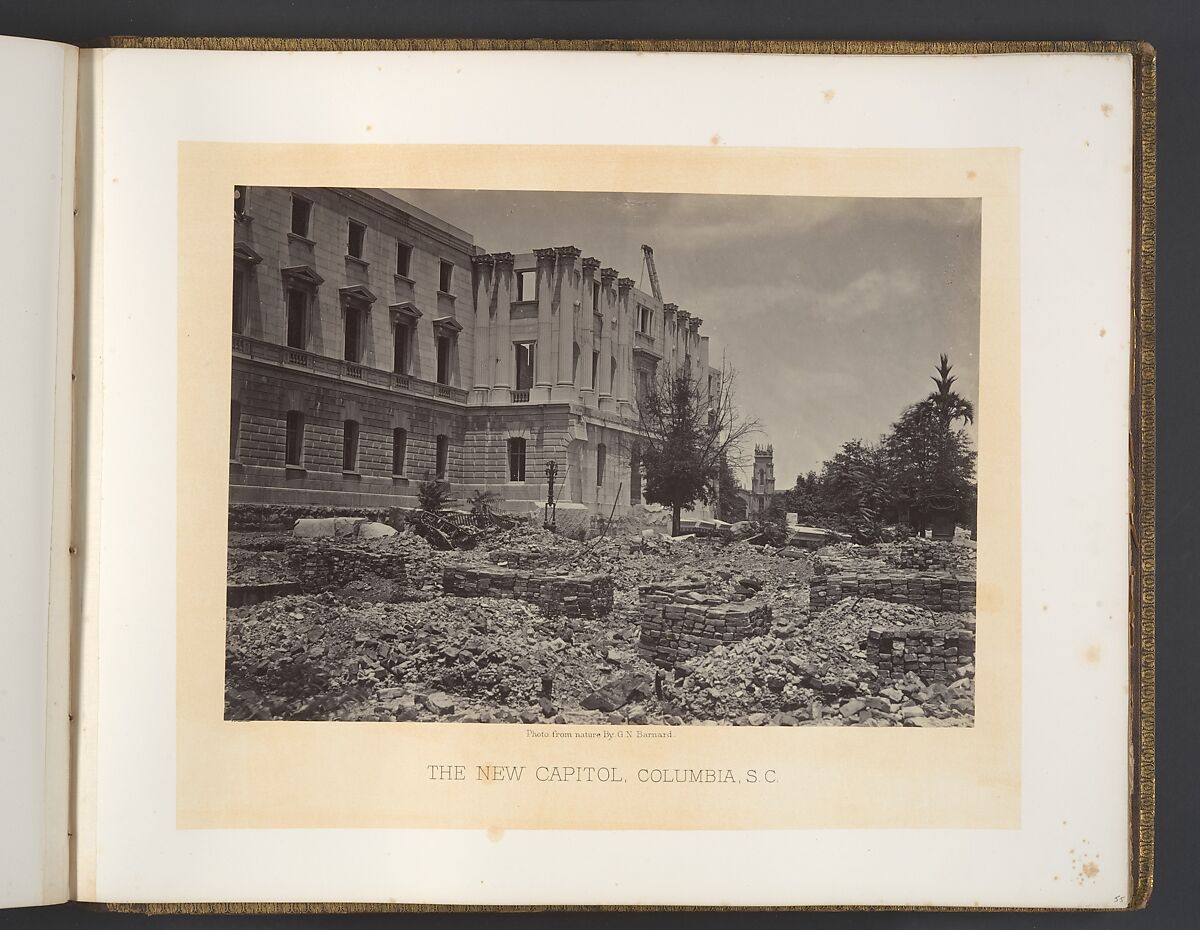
1172 27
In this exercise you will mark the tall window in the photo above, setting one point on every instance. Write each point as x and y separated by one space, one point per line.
297 318
354 334
403 259
575 364
444 346
301 216
595 295
595 371
516 459
443 457
294 449
525 352
356 236
399 450
235 427
239 200
645 319
643 385
239 300
526 285
601 462
446 277
349 445
402 349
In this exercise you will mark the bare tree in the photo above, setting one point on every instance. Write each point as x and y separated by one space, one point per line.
689 424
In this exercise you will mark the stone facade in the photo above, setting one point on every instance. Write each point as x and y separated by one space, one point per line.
933 655
390 348
762 482
938 591
582 595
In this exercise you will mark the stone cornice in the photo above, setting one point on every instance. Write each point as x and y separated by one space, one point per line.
483 259
625 284
608 275
568 252
503 258
591 264
545 255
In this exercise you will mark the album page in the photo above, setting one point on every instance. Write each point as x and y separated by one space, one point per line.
37 173
510 493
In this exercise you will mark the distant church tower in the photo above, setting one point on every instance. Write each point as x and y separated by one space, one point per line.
762 481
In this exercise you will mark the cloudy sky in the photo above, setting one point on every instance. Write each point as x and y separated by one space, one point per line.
833 311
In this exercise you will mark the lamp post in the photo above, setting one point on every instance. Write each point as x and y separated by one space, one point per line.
551 475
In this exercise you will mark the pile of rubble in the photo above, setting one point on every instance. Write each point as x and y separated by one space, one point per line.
389 639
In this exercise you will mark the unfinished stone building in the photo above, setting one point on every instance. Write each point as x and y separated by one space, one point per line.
375 345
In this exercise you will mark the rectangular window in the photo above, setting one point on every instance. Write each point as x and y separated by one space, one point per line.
643 385
349 445
525 356
235 427
297 318
403 259
444 345
601 461
354 328
402 349
355 237
446 277
239 200
301 216
239 300
294 454
645 319
443 457
595 295
526 285
516 459
399 450
595 371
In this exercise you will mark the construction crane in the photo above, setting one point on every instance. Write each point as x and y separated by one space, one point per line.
653 272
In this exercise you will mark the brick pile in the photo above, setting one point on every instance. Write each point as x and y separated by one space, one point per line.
925 555
520 558
581 595
933 655
939 591
320 566
679 624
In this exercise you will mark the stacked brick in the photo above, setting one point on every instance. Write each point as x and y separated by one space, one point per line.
583 595
524 559
938 591
932 655
677 626
930 556
320 566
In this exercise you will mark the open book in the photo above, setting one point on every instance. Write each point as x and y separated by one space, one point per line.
691 471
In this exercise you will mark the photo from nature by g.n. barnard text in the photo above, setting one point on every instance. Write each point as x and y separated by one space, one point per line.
602 458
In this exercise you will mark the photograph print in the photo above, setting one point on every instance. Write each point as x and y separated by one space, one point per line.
536 457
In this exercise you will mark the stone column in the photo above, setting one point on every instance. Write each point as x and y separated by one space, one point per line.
544 360
683 322
669 340
624 348
587 324
608 309
481 273
567 284
501 346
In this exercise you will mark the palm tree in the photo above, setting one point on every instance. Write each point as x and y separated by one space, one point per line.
949 403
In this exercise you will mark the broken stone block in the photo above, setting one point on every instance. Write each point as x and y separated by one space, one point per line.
368 530
618 692
440 703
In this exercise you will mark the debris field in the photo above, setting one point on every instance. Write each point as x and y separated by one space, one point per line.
702 631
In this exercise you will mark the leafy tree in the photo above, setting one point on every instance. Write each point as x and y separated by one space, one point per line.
686 433
433 494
